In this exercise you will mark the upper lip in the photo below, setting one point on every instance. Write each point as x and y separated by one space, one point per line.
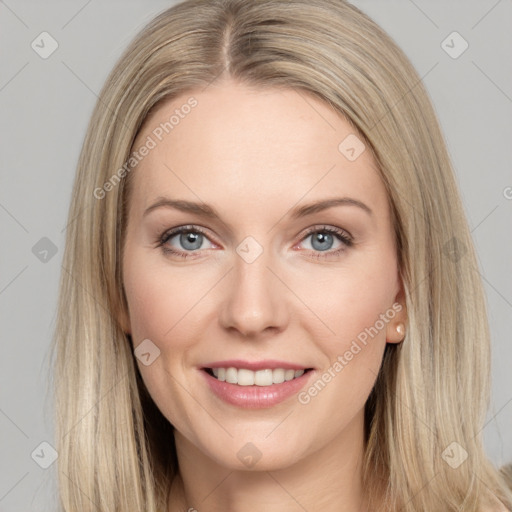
255 365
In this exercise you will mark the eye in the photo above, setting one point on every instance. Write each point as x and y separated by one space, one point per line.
323 238
190 238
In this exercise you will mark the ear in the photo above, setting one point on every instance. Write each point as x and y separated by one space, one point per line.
396 329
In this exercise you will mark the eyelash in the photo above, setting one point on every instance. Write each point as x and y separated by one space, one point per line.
340 234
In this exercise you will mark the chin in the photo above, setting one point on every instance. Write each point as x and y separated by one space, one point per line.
247 455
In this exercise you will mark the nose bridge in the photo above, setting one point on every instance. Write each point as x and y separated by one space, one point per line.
255 300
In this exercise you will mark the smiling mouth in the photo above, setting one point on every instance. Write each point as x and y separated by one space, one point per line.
245 377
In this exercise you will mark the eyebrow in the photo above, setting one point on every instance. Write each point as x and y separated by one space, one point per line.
207 211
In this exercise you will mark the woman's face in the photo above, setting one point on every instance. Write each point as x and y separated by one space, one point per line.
269 283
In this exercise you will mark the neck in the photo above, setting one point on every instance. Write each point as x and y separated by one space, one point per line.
328 479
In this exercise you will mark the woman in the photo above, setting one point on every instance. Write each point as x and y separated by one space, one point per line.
322 344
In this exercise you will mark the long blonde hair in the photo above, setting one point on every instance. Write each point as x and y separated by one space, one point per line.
116 450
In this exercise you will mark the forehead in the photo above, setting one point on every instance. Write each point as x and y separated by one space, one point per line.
250 145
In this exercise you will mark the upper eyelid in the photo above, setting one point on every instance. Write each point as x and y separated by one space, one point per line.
327 227
172 232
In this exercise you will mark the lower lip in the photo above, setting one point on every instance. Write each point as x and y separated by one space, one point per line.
256 397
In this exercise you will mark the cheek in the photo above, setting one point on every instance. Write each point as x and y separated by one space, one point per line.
161 300
352 302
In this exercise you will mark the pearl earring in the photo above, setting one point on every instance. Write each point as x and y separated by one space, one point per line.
400 329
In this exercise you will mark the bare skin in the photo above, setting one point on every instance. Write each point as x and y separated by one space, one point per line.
255 155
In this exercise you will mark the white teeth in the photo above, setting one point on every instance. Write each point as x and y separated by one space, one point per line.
278 375
245 377
232 375
289 374
263 378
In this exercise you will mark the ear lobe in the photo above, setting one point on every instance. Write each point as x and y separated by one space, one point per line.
396 330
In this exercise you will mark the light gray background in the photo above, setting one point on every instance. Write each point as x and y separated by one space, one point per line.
45 108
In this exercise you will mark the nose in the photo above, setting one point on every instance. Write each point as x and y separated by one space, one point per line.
256 299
